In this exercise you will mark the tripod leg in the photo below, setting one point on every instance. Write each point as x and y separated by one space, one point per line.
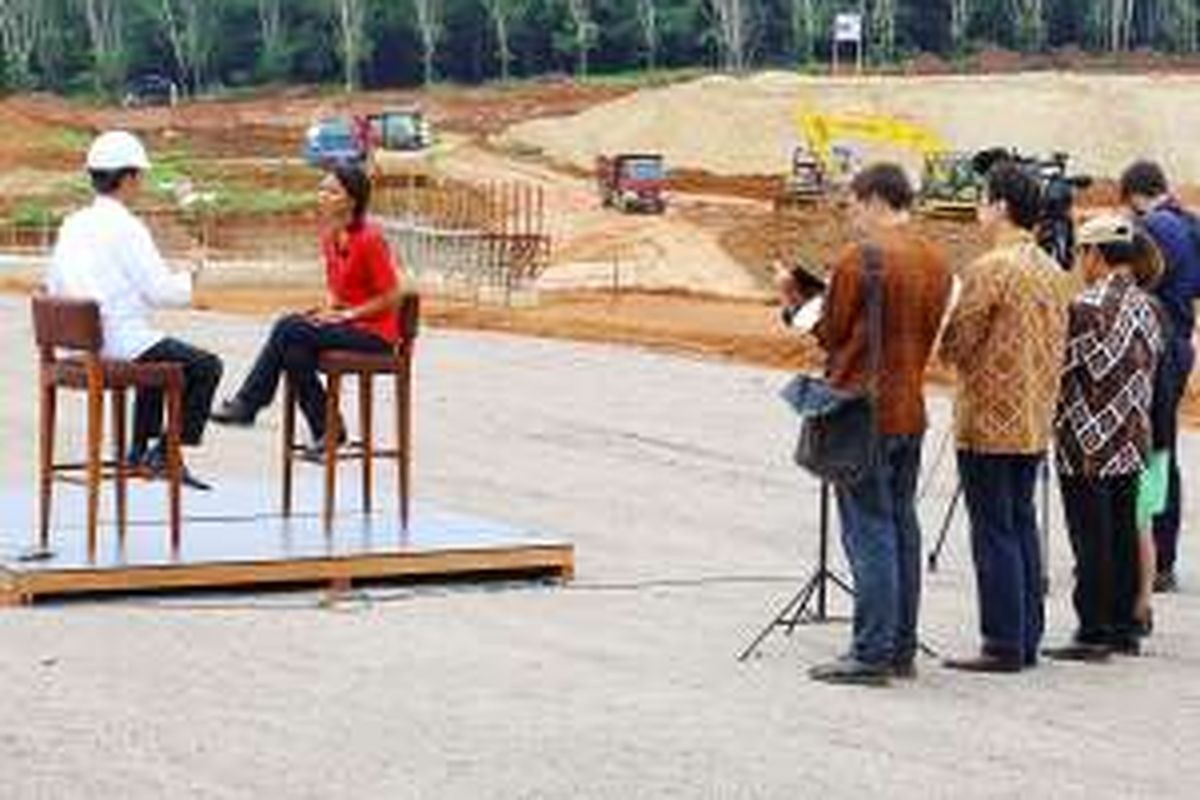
845 587
936 553
823 555
792 617
787 616
793 613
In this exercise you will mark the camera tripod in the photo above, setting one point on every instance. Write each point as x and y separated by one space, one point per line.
800 609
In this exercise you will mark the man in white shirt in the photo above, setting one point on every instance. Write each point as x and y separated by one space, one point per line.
106 254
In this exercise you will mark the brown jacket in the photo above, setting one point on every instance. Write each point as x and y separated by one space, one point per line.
1006 338
916 287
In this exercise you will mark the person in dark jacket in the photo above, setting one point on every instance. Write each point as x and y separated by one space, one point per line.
1176 231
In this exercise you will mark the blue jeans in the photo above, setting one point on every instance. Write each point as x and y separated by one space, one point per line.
999 492
882 539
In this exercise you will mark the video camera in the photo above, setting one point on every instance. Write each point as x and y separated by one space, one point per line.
1055 229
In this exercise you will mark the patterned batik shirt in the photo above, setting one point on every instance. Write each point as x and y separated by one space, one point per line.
1102 427
1005 339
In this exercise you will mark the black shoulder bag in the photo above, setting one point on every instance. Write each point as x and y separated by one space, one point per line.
839 436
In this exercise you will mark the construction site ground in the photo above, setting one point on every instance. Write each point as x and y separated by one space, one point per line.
672 477
670 474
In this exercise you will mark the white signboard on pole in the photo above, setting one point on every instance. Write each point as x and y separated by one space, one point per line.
848 28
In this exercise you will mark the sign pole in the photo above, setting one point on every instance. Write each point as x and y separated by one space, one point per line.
848 29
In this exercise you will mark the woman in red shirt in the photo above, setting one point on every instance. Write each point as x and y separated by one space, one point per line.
363 292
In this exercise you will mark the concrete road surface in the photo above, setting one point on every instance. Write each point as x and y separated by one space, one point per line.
671 476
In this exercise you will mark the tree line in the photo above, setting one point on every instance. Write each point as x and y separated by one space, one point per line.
76 46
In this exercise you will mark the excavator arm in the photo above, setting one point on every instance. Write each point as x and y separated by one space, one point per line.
820 131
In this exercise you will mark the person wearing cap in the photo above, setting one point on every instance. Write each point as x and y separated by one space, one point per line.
105 253
1102 430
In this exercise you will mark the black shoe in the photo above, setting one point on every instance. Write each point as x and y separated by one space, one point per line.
135 459
851 671
1165 582
905 670
1129 645
985 662
233 412
1079 651
153 464
1145 625
314 451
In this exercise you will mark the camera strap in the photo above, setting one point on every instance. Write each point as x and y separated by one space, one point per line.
873 296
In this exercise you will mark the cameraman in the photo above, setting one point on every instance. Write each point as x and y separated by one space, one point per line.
1176 231
1005 339
880 530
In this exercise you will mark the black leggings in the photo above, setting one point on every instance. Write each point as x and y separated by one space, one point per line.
294 345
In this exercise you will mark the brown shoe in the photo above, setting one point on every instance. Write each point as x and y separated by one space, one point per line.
1079 651
984 662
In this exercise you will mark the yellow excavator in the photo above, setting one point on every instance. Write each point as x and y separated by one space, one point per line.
949 185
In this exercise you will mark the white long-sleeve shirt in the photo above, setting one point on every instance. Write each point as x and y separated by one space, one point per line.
105 253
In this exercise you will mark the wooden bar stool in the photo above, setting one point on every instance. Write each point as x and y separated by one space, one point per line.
73 327
335 364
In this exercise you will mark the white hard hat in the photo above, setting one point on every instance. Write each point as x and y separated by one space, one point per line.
117 150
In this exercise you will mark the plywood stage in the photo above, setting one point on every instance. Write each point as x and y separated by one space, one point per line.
234 537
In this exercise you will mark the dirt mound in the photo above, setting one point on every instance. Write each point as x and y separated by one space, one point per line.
33 143
747 126
271 124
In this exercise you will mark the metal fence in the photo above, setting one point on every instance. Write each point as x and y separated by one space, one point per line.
472 241
478 242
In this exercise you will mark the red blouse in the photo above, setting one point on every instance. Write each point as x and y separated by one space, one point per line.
361 270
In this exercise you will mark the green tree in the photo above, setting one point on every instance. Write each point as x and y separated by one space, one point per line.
23 26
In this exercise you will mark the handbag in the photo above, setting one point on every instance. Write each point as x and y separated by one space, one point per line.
839 435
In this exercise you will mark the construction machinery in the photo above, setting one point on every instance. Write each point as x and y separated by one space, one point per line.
392 143
400 144
632 182
950 185
333 141
806 182
827 161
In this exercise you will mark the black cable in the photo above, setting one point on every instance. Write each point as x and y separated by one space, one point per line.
370 597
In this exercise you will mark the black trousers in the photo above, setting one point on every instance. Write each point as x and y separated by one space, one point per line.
201 374
1101 519
293 347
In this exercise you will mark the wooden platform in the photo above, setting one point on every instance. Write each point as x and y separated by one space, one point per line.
228 544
